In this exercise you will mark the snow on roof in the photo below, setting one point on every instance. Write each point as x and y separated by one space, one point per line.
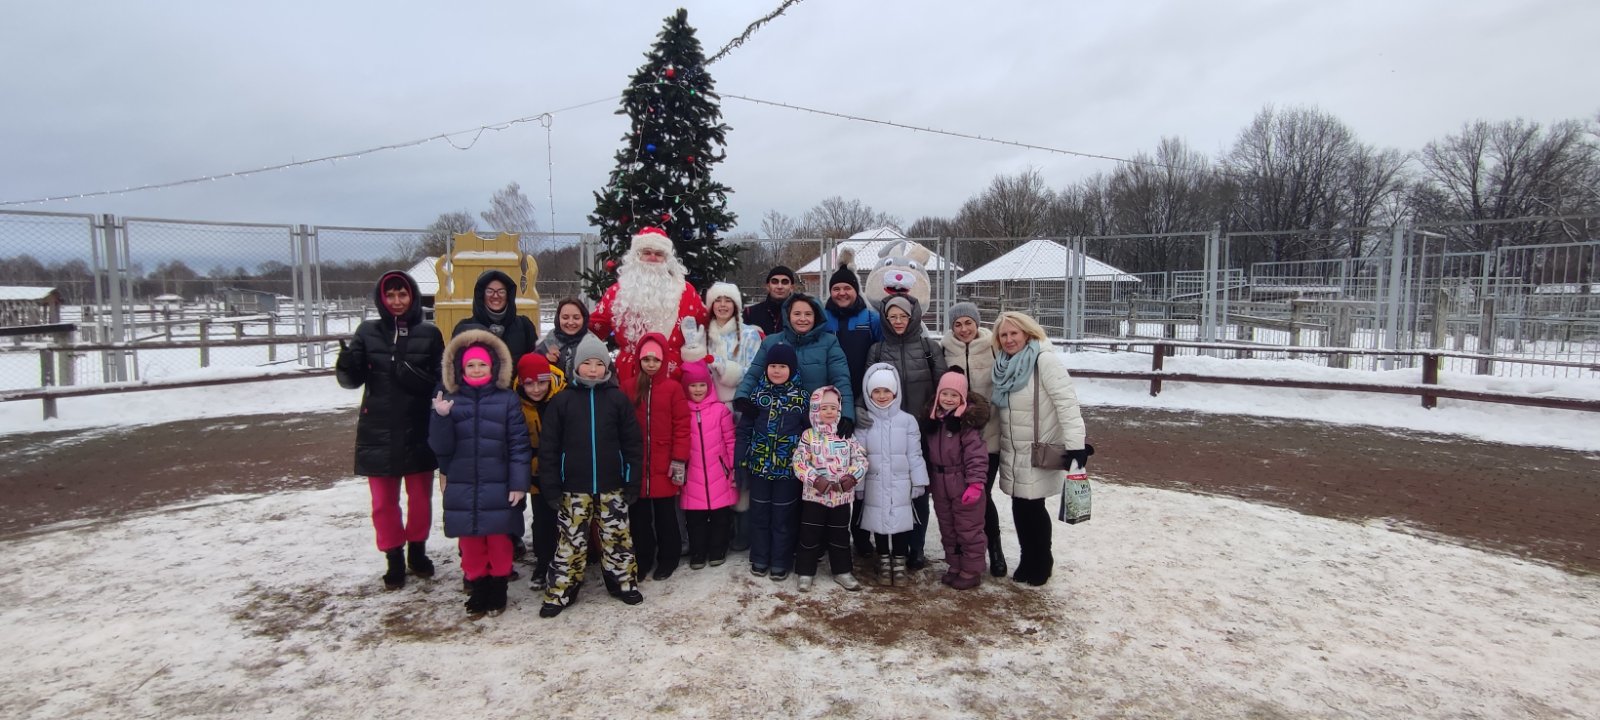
426 275
169 297
1042 259
13 292
869 246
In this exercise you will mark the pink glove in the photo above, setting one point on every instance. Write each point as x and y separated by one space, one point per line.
973 494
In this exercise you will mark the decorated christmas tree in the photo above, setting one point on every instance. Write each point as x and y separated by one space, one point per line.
663 173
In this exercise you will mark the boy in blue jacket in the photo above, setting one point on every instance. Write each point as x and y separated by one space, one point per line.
590 452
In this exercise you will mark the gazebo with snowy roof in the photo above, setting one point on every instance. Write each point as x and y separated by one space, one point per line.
868 247
1033 279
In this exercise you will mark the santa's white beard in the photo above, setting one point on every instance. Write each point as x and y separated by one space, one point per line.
647 298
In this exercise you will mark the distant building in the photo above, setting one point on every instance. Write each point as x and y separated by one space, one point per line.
21 306
243 301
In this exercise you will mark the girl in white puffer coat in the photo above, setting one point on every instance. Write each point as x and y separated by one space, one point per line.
896 472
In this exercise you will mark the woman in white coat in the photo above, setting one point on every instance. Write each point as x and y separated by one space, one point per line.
1035 402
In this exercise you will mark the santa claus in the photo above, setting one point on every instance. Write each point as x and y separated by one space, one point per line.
650 295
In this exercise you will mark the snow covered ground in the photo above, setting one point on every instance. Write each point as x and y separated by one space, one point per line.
1166 604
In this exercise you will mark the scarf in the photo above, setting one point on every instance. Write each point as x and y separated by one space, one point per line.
1011 372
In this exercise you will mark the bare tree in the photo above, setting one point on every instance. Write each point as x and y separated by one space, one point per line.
510 211
1177 190
777 226
1290 168
436 238
837 218
1509 169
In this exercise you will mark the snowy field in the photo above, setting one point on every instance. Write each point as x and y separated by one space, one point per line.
1165 605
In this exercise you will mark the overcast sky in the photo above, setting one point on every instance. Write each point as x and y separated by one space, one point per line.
104 95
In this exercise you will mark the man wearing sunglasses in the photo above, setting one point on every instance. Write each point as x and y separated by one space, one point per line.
768 314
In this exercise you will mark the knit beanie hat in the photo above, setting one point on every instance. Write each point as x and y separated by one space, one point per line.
899 302
590 348
952 379
845 275
652 345
781 354
782 271
883 377
476 352
696 372
533 366
964 310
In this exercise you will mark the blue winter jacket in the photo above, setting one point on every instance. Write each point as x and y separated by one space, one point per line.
482 445
858 328
822 361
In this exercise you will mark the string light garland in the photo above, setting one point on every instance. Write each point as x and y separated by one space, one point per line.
446 137
750 30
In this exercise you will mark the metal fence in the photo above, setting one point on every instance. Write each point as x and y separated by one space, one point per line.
148 281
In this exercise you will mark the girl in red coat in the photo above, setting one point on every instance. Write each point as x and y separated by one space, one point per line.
663 414
709 495
958 461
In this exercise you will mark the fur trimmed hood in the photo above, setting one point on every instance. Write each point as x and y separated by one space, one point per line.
976 416
451 370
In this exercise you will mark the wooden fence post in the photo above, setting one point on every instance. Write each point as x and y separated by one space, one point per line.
1296 315
47 378
272 331
1486 335
205 350
1339 336
1430 376
1156 361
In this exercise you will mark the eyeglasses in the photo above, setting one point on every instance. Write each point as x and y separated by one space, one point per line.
494 293
780 281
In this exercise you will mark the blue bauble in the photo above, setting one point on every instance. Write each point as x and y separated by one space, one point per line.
650 148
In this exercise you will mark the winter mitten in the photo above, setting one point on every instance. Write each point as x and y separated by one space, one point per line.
677 470
848 483
820 483
847 427
690 328
516 496
917 492
442 405
743 406
1081 457
973 494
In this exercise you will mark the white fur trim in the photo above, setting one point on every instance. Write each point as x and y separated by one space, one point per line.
652 241
727 290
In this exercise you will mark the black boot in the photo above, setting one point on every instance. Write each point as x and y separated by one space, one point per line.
997 561
417 556
478 601
396 577
496 602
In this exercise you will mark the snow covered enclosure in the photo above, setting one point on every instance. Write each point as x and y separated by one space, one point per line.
1043 259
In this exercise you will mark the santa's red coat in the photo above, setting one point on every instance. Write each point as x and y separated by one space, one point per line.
606 326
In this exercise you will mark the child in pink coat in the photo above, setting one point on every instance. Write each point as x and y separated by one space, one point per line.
828 466
957 462
708 495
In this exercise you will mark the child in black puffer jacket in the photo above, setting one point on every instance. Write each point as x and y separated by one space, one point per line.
481 439
590 468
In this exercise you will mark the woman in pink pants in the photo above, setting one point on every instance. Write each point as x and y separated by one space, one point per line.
396 359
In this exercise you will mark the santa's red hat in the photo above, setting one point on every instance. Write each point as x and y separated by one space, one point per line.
651 237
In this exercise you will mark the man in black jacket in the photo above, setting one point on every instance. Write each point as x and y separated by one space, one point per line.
768 314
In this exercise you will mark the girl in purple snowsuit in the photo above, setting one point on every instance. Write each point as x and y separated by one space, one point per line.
958 460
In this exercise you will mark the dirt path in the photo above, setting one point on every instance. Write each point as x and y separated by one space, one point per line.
1537 503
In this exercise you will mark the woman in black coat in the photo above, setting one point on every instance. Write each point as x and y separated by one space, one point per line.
396 359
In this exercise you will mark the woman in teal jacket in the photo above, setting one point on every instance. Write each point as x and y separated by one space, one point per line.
822 360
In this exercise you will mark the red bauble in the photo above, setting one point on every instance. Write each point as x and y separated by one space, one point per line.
690 159
625 219
611 265
671 72
665 217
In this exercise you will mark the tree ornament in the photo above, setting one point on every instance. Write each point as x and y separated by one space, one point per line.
651 147
711 226
671 72
611 266
666 217
690 159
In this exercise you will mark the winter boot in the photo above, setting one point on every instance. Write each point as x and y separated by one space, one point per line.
897 571
884 568
997 561
417 558
478 601
847 581
805 582
966 581
550 610
396 577
495 603
631 597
